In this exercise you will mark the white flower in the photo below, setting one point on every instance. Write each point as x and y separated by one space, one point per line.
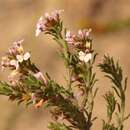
85 56
26 56
20 58
14 63
81 55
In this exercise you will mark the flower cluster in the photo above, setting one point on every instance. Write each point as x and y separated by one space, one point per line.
15 59
15 56
51 24
82 42
23 74
48 23
79 39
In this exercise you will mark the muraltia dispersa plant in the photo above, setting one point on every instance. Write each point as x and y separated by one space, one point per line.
70 109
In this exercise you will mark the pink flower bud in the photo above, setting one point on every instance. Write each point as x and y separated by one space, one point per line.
16 48
69 37
40 76
33 98
49 21
79 93
80 40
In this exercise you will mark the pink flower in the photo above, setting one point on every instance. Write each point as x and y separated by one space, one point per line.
79 93
48 22
15 56
83 34
40 26
80 40
33 98
40 76
16 48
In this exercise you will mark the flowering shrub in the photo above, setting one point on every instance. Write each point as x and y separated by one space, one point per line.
71 105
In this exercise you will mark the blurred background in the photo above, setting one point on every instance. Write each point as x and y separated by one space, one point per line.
110 22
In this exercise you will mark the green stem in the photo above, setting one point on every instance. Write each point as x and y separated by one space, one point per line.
66 53
122 109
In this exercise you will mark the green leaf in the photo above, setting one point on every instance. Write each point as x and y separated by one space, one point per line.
111 103
113 71
5 89
31 82
116 91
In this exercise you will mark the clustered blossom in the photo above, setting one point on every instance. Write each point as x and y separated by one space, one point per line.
48 22
18 61
80 39
15 56
82 42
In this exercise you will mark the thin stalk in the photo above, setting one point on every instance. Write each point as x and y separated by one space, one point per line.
65 48
122 109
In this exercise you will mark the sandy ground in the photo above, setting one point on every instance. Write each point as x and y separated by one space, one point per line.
18 20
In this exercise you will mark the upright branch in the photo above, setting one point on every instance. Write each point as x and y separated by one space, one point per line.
79 57
114 72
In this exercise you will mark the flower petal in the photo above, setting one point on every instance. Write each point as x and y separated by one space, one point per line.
19 58
87 57
26 56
